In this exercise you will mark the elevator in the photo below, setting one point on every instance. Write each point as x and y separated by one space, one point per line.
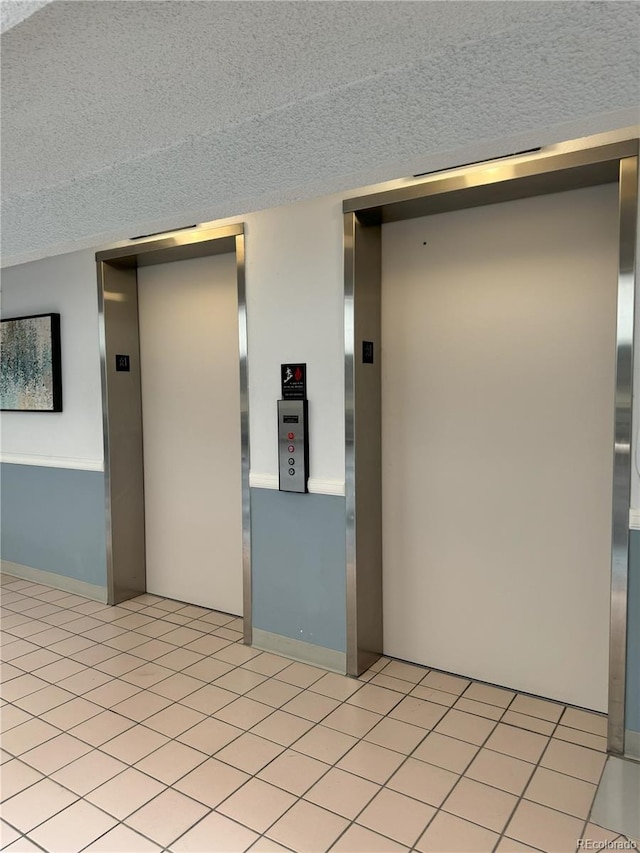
488 438
175 408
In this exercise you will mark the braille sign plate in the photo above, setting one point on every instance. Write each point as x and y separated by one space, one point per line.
122 364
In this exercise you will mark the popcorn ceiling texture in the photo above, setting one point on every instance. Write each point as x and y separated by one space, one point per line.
122 118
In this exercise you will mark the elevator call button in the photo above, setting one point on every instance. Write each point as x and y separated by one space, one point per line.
290 436
291 448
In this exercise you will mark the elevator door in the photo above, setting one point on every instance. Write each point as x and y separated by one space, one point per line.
498 373
191 431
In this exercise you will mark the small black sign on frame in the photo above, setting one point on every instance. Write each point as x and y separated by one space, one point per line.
122 364
367 352
293 378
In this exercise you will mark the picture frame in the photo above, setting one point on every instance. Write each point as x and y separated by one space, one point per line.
30 364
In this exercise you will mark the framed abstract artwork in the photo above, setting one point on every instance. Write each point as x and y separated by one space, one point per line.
30 366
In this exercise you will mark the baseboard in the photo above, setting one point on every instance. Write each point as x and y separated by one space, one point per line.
77 587
300 651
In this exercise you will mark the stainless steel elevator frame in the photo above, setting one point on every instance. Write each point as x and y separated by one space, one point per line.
122 405
574 165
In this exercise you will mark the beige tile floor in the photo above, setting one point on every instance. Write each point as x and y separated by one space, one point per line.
150 726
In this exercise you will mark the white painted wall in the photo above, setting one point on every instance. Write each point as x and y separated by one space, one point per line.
73 437
295 314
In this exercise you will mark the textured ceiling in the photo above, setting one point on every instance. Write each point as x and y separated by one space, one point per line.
125 117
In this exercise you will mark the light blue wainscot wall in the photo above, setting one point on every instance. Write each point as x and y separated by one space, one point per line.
53 527
632 722
298 552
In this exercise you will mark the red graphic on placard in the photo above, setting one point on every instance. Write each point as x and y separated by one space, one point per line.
297 375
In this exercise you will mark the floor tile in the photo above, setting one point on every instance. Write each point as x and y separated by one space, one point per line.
431 694
481 804
273 692
404 671
397 816
581 738
569 795
7 835
294 772
71 830
36 804
311 706
182 636
449 834
324 744
152 649
239 680
508 845
44 700
167 817
424 782
72 713
180 659
134 744
215 834
208 669
481 709
83 682
110 694
518 743
174 720
249 753
23 845
55 753
307 827
88 772
209 699
489 694
301 674
342 793
381 680
177 686
141 705
121 839
544 828
171 762
22 686
210 735
465 726
532 724
533 707
394 734
586 721
502 771
34 660
447 752
147 675
448 683
282 728
357 839
351 720
211 782
371 762
244 712
125 793
54 673
257 805
118 664
15 777
91 653
27 735
335 686
418 712
578 761
377 699
12 716
101 728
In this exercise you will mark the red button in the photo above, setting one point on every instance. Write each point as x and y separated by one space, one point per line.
291 436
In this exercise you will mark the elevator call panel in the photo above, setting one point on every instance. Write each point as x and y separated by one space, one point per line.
293 445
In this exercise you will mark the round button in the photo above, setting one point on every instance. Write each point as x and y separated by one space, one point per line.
292 461
291 448
291 436
292 471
